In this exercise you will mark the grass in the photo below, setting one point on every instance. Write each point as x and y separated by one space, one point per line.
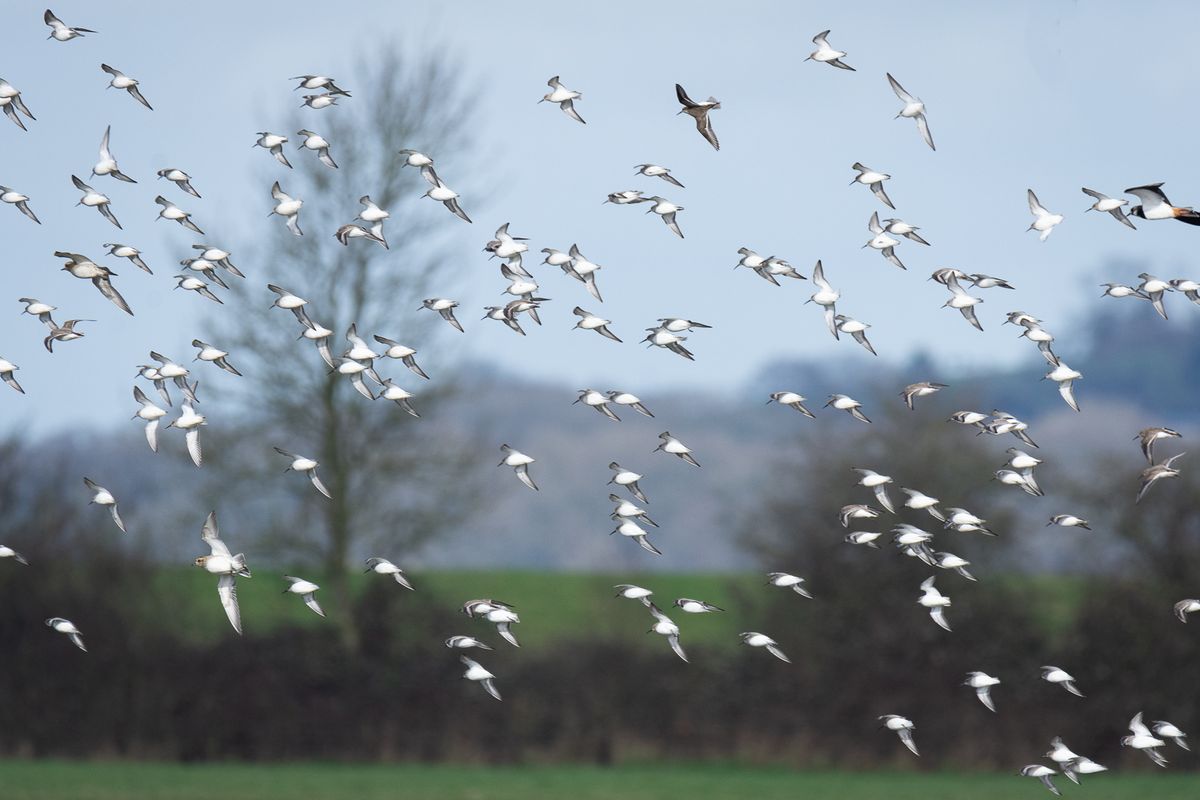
552 605
20 780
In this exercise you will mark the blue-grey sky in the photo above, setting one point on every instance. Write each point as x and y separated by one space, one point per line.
1048 95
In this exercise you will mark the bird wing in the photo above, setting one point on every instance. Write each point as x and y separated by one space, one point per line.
1094 193
906 736
923 127
227 591
108 290
212 536
522 471
683 97
673 640
1035 207
105 154
490 686
310 600
80 185
938 613
312 476
984 694
193 445
704 125
899 90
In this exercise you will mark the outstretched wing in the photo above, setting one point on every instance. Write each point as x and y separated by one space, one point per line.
212 536
227 590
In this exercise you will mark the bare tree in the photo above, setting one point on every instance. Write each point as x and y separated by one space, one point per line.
390 475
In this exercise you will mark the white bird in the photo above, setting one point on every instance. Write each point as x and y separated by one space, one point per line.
1184 607
690 606
107 165
756 639
503 617
176 214
307 466
627 478
318 82
963 302
8 552
856 329
1153 289
791 400
60 31
669 444
935 601
10 100
7 368
444 195
189 422
225 565
398 395
663 626
903 728
193 284
1043 774
321 100
103 497
1168 731
150 414
844 402
520 464
403 353
826 296
132 253
564 97
306 589
597 400
445 308
582 270
919 501
667 210
1069 521
374 216
628 510
122 81
354 371
1142 739
179 178
381 566
655 171
1043 220
287 207
982 683
901 228
629 400
787 581
19 200
880 241
631 592
291 302
465 643
630 529
1061 677
274 143
913 109
476 672
319 145
1108 205
422 162
94 199
824 54
878 484
869 177
65 626
214 355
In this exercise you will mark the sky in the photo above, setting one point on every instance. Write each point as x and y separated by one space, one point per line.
1044 95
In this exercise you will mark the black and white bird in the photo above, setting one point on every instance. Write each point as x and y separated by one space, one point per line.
756 639
825 54
476 672
381 566
1155 205
564 97
122 81
307 591
19 200
902 727
307 466
700 112
982 683
519 462
1108 205
67 628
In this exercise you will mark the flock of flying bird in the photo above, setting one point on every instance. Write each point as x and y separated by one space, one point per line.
211 265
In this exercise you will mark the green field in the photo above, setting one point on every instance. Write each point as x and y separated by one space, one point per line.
552 605
118 781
